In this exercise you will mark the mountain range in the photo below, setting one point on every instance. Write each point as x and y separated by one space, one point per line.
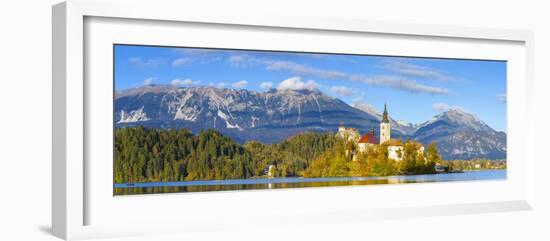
275 115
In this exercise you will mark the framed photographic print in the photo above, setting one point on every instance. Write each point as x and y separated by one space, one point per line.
191 119
201 122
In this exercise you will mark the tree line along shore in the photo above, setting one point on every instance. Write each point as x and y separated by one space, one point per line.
153 155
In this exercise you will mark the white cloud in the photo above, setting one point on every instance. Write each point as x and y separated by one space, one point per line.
296 83
242 60
203 56
395 82
148 81
403 67
342 90
401 84
502 97
145 63
239 84
266 85
236 59
180 62
445 107
184 82
305 70
391 81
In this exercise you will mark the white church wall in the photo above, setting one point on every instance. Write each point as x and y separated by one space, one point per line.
385 133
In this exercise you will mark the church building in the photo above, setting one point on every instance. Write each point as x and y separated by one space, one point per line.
395 146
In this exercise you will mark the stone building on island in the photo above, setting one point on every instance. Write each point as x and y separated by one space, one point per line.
366 141
395 146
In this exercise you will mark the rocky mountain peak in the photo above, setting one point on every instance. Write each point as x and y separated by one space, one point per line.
462 118
277 114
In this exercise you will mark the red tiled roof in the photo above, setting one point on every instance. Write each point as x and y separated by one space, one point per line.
368 138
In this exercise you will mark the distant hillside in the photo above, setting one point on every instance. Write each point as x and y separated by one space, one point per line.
268 117
460 135
275 115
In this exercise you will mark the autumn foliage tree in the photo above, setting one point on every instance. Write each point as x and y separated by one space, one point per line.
149 154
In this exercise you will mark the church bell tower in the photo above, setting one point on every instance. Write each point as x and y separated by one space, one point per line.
385 126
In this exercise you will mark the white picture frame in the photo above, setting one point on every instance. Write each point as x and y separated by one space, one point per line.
73 193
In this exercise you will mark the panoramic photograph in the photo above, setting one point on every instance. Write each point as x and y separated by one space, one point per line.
200 119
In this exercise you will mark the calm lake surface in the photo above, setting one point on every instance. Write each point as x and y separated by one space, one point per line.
297 182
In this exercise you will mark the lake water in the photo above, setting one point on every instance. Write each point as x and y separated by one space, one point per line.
298 182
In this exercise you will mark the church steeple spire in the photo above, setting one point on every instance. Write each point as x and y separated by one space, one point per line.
385 127
385 115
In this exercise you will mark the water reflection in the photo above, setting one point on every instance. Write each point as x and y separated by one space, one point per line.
274 183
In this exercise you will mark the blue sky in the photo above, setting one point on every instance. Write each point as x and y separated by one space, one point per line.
415 89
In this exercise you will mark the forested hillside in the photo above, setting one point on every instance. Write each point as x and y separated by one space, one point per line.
149 154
